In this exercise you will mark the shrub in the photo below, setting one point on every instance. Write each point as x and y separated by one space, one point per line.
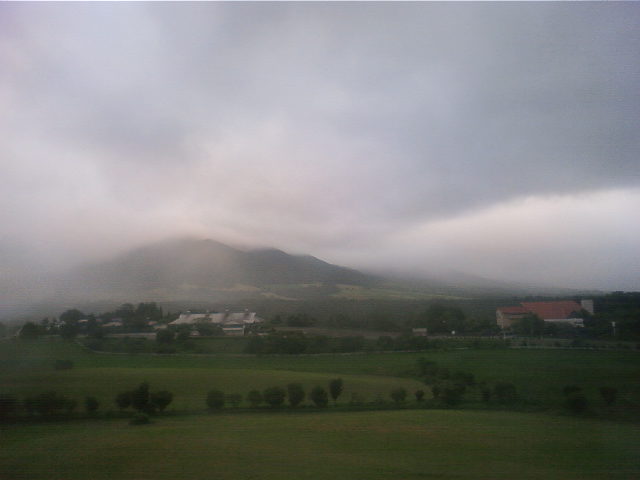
295 393
215 399
505 392
335 388
448 392
464 378
161 399
139 419
91 405
8 405
609 395
419 395
576 402
570 389
255 398
274 396
319 397
486 394
63 365
140 398
234 399
49 403
123 400
165 336
398 395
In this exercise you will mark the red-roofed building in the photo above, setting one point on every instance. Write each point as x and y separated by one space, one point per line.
566 311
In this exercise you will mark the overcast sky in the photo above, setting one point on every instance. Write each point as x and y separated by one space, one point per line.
500 139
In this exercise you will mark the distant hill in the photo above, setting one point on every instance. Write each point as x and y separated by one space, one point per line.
189 271
199 269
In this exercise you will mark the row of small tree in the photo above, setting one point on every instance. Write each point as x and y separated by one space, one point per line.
143 400
46 404
576 401
275 396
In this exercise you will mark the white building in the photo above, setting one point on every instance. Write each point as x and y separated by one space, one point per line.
232 323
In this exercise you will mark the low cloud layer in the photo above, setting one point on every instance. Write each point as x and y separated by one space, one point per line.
498 139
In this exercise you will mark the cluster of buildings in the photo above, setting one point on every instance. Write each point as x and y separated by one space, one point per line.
232 323
562 311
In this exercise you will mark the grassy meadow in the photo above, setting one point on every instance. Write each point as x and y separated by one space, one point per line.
349 445
539 375
187 442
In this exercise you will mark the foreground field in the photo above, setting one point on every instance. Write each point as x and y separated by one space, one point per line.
365 445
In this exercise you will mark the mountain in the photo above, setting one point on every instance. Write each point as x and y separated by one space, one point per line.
188 271
203 269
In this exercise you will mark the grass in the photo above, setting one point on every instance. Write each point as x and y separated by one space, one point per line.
363 445
27 369
190 386
539 375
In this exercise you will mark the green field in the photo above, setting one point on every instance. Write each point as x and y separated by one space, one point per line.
27 369
307 443
365 445
539 375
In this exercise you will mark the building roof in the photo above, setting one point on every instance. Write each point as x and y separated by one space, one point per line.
552 310
513 310
242 318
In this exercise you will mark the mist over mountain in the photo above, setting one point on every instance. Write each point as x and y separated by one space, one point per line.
189 270
201 269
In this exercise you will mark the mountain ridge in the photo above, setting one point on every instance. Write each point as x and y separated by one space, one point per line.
200 268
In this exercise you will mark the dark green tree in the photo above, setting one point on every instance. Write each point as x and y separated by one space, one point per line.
505 392
49 403
140 398
208 329
419 395
335 388
274 396
91 405
531 325
319 396
123 400
255 398
161 399
215 399
30 331
8 405
235 399
165 336
398 395
609 395
448 392
576 402
295 394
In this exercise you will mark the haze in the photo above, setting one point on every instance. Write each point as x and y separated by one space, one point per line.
498 139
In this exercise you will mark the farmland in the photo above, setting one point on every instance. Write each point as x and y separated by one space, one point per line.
539 375
472 441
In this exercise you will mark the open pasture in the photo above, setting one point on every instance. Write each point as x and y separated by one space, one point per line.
539 375
355 445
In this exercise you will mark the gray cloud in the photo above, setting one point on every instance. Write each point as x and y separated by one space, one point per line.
321 128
